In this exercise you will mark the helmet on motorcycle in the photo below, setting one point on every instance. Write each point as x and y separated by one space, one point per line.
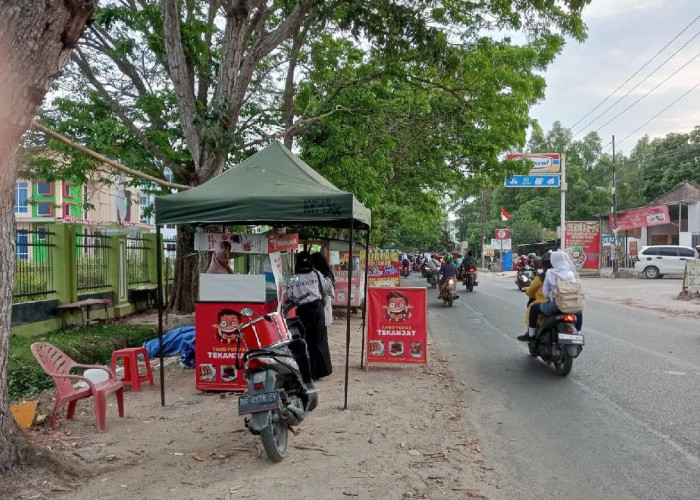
448 257
531 255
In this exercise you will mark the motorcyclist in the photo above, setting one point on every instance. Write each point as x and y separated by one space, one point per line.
521 262
561 268
534 291
469 261
532 260
447 270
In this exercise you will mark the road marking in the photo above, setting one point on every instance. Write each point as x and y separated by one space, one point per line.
671 372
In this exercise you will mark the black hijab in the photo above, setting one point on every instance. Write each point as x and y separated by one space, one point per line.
303 263
321 265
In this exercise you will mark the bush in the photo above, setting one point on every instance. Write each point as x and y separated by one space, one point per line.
88 345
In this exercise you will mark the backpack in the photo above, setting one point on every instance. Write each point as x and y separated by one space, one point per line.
569 296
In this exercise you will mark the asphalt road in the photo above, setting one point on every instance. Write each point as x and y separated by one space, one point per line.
624 424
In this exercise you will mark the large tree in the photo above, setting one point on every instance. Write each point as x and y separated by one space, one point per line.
194 86
36 38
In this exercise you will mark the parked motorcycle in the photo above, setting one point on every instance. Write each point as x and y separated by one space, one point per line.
524 277
557 342
280 389
449 291
469 278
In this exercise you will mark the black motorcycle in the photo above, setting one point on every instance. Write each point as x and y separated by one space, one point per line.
557 342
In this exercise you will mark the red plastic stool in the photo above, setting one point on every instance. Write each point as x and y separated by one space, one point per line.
132 376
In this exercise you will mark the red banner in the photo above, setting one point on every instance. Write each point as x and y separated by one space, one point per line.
397 327
502 234
215 345
282 242
583 244
642 217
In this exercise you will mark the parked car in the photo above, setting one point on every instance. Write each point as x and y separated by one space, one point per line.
657 260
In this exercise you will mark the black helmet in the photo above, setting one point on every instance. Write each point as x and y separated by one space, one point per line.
547 258
532 255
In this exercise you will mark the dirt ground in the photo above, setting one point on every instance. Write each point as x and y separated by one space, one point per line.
403 436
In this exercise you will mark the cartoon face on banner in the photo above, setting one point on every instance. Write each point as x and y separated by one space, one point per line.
397 307
227 325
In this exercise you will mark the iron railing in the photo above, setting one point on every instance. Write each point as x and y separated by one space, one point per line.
137 261
92 262
33 279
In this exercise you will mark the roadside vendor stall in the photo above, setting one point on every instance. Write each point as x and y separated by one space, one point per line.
272 187
258 285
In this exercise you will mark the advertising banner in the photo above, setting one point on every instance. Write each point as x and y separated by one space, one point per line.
397 327
583 244
356 288
216 325
543 163
278 273
502 234
240 243
282 242
642 217
383 268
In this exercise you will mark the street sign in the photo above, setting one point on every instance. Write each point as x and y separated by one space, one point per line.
501 244
543 163
502 234
533 181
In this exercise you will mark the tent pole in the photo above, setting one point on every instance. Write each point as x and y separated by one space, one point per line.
364 302
159 298
347 331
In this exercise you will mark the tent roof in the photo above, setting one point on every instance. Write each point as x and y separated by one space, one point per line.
271 187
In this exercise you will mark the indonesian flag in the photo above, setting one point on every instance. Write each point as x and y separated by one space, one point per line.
504 215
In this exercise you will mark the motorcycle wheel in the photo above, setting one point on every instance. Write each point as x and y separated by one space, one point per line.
563 366
450 301
470 288
531 348
274 438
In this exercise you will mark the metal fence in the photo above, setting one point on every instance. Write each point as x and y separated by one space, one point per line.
33 265
92 262
137 261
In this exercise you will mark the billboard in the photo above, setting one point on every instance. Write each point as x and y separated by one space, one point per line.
543 163
642 217
583 245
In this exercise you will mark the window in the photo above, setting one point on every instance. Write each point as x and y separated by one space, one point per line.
44 209
21 196
70 209
41 233
651 251
66 189
85 201
146 203
21 244
668 251
44 188
686 252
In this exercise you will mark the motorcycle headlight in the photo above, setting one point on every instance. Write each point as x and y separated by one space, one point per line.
451 282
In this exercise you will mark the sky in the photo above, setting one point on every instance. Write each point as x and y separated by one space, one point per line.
623 35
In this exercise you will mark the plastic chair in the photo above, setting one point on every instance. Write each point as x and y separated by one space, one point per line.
58 365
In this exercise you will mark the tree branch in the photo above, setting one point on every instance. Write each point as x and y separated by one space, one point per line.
116 165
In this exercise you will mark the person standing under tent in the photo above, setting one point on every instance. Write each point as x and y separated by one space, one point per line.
320 264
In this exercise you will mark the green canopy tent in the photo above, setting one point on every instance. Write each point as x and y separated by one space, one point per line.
271 187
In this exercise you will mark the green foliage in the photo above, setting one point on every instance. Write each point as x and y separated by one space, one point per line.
87 345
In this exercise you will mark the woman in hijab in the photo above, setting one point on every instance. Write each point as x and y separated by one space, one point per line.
308 294
562 268
321 265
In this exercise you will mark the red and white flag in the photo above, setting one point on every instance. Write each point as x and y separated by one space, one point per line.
504 215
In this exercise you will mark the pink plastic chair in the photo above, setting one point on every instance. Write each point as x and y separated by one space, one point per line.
58 365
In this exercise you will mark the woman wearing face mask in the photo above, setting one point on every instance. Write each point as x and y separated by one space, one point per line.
308 294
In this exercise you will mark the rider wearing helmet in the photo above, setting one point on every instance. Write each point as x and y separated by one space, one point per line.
531 260
448 270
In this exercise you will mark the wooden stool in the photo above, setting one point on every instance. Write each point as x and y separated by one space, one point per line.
132 376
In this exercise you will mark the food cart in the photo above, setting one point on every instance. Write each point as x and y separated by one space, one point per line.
257 286
271 187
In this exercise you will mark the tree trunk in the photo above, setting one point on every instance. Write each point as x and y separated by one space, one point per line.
186 282
36 38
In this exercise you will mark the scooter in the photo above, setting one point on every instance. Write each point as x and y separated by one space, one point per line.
469 278
557 342
280 389
405 271
449 292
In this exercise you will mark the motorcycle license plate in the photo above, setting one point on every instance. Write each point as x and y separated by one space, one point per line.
565 338
254 403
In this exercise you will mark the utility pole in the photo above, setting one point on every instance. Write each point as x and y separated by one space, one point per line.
562 221
483 226
614 209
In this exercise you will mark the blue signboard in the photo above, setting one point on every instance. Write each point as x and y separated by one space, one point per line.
532 181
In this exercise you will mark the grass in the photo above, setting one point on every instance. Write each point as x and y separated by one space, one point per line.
87 345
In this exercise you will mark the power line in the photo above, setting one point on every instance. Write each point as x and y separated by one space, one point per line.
649 92
637 85
635 73
659 113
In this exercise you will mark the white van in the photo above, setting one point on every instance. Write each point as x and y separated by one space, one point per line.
657 260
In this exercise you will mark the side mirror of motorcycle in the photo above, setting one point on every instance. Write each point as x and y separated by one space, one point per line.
247 312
